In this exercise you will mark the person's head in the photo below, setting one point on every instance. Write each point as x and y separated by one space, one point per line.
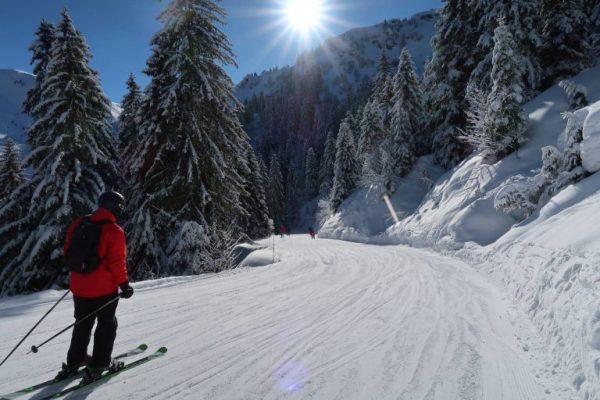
113 202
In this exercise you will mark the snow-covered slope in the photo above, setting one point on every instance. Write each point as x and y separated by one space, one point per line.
330 320
13 89
350 60
460 207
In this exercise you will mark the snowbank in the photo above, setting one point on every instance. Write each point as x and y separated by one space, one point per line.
590 148
365 215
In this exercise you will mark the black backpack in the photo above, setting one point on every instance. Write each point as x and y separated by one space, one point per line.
82 255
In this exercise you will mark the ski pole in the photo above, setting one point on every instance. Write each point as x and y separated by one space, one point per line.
35 326
35 349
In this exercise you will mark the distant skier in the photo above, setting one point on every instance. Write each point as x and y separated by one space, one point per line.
311 232
282 230
96 286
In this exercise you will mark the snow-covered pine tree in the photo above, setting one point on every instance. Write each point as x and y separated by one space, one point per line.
594 29
372 134
383 91
276 191
346 168
11 172
255 222
566 49
399 149
522 21
41 52
327 162
381 88
188 166
311 182
128 123
572 166
146 252
408 97
455 55
293 189
504 123
72 163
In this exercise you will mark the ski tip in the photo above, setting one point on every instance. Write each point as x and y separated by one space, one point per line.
143 347
162 350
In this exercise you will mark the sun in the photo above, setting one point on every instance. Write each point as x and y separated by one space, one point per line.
304 15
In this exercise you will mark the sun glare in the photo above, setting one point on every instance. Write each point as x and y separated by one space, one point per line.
304 15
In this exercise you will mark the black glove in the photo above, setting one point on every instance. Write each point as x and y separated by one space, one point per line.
126 290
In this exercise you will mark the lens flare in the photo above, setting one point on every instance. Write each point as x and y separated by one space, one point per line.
304 15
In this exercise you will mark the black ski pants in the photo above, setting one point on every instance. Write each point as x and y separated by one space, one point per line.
104 336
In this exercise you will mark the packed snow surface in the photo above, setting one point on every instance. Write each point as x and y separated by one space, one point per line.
328 320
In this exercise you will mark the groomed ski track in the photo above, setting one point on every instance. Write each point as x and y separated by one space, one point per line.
330 320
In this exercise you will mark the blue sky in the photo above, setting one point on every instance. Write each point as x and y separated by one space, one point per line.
119 31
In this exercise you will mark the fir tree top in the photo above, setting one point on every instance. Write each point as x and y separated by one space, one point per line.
41 53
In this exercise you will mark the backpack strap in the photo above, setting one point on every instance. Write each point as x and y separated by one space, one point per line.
102 222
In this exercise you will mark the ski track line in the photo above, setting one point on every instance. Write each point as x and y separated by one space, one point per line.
331 320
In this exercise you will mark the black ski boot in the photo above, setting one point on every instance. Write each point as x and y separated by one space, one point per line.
115 365
68 371
92 374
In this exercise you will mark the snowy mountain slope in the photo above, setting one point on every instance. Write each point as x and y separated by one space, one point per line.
549 262
13 89
330 320
365 215
14 86
459 208
350 60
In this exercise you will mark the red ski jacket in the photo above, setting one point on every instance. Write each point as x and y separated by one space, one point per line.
112 270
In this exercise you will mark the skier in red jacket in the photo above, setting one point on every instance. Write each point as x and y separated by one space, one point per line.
95 289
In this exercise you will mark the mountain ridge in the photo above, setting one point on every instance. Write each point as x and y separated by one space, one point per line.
349 60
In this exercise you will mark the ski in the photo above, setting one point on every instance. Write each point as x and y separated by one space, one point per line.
106 376
138 350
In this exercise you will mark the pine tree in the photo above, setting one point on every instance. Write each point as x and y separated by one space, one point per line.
505 122
276 191
293 188
522 21
572 166
192 145
455 55
381 89
372 134
72 163
401 144
566 50
41 50
593 10
327 162
255 223
408 98
41 53
345 168
11 172
146 251
311 182
128 123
